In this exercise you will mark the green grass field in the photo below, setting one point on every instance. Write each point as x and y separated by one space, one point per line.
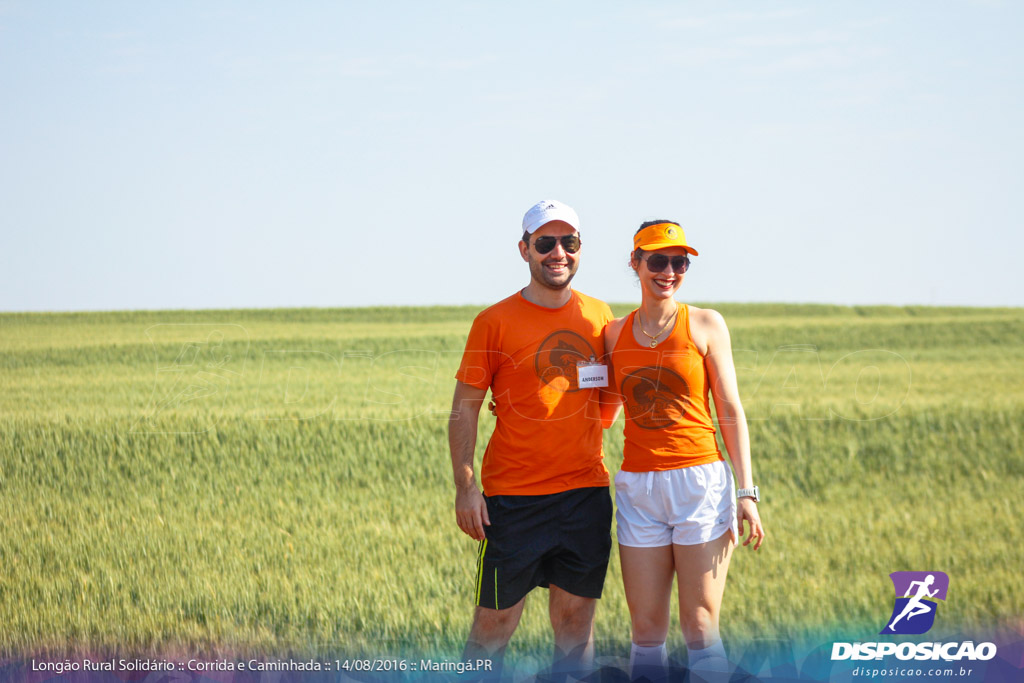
278 481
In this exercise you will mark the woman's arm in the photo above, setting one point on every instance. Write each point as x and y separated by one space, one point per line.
732 421
611 401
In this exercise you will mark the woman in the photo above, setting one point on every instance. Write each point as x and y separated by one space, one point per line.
676 512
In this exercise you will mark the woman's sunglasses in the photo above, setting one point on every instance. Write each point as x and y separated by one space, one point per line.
571 243
657 262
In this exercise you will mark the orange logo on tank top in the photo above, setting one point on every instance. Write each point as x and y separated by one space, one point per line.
655 397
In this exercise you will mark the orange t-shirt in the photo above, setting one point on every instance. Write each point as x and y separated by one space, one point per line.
665 395
548 435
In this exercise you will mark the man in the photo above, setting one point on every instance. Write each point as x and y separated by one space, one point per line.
544 516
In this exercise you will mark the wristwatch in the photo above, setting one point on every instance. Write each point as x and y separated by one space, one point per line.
753 492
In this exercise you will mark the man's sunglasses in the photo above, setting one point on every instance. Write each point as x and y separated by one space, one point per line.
657 262
571 243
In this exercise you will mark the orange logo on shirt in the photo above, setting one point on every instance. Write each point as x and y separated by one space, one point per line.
557 357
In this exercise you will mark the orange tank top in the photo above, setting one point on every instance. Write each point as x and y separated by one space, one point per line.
665 394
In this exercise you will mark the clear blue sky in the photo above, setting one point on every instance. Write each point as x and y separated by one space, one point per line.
238 154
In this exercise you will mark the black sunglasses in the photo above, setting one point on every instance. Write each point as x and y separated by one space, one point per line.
657 262
571 243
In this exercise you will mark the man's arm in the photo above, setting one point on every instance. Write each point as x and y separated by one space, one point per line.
470 508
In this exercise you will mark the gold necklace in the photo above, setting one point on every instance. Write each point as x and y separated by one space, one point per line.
654 339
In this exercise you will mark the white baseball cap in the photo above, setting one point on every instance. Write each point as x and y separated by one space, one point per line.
548 210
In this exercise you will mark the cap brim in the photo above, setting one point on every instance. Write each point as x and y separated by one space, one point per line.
557 219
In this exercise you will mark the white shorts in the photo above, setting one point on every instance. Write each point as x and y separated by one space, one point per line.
686 506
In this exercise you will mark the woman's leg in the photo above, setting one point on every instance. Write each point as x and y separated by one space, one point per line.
701 570
647 577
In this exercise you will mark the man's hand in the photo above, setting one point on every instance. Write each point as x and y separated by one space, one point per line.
471 511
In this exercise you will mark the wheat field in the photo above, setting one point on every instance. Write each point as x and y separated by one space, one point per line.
278 481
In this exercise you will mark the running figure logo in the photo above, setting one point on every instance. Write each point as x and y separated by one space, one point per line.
916 596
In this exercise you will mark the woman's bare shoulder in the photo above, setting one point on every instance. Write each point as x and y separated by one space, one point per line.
708 329
612 331
708 318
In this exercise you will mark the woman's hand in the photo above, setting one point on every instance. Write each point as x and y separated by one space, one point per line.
748 511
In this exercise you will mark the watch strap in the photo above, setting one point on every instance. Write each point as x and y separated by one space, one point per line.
752 492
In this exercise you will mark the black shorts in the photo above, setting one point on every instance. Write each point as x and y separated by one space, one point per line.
562 539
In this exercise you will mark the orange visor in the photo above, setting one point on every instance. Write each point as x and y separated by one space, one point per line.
660 236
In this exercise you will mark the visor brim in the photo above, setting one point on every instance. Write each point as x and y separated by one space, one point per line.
665 245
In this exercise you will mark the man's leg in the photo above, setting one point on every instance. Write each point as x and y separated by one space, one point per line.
572 620
575 576
490 633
